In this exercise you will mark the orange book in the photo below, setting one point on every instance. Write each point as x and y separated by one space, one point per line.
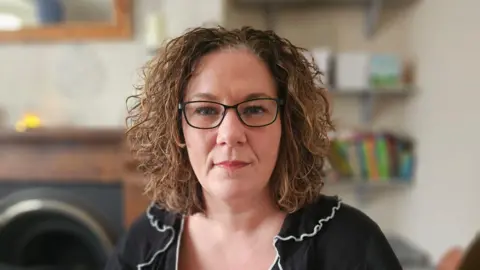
372 164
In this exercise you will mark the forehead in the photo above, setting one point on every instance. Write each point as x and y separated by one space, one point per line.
232 76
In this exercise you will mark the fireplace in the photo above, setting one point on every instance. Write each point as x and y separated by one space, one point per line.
66 197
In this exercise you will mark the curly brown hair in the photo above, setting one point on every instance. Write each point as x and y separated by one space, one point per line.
154 119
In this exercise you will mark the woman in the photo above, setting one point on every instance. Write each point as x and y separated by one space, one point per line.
230 128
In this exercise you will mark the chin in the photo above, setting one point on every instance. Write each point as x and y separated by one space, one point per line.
227 192
231 189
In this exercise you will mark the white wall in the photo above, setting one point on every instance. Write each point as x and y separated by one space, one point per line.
443 208
183 14
86 84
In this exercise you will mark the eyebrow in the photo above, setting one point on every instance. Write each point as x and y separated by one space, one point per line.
203 96
208 96
257 95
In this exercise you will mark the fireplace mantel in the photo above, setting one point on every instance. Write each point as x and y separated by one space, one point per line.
59 135
72 155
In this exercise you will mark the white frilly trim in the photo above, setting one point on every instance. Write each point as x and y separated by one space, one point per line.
302 237
162 229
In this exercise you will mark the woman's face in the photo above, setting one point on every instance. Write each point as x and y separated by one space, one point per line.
231 161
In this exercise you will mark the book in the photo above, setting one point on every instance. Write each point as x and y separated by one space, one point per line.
372 157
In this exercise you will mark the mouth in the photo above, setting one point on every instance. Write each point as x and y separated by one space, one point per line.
231 164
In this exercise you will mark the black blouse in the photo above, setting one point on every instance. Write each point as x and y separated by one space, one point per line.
327 235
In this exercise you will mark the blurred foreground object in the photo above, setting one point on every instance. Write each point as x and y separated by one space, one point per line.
451 260
459 259
470 259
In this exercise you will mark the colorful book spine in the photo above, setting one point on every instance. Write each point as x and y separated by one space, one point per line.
373 157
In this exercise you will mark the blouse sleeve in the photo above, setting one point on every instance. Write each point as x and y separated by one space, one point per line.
379 253
131 247
118 260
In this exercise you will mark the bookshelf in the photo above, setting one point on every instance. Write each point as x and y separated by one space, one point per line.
370 162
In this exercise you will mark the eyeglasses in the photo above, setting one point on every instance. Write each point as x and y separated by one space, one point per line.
257 112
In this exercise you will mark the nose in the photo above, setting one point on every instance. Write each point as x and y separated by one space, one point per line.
231 131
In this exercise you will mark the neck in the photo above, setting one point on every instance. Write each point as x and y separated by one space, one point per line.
243 215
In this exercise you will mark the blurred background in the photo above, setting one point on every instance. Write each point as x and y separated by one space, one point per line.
401 75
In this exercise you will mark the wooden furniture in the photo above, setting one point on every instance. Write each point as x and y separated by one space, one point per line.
72 155
120 28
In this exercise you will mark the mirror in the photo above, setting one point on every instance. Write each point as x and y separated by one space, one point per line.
18 14
64 19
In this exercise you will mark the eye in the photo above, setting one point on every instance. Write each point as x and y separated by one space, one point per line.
206 110
254 110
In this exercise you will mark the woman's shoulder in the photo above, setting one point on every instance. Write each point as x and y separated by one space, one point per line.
333 227
327 214
149 224
153 230
343 217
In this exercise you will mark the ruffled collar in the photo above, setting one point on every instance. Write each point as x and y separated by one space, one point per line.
309 220
302 223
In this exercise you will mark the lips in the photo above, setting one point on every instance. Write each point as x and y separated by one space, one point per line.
231 164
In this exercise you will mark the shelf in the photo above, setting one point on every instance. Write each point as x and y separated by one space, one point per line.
376 93
310 3
370 184
369 98
364 189
63 135
373 8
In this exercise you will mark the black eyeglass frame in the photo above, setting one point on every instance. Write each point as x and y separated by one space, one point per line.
279 101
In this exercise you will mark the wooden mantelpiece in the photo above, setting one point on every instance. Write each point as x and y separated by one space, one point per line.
73 155
59 135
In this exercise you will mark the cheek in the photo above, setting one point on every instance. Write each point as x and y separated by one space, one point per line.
268 143
198 142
